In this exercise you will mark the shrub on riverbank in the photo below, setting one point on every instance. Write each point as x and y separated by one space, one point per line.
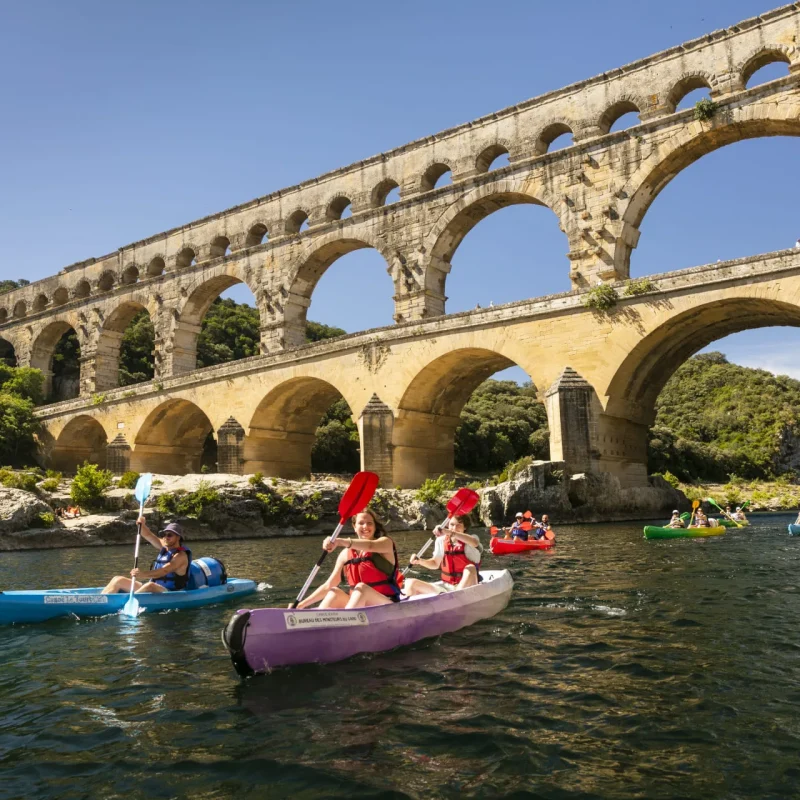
90 485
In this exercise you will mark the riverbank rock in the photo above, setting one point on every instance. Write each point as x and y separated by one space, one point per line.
20 510
545 487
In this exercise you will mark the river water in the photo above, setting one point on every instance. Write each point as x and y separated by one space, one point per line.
622 668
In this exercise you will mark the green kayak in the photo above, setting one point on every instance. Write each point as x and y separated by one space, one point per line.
726 523
654 532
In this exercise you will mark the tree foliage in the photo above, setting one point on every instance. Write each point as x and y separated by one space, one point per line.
715 418
20 389
316 331
230 331
336 447
136 351
501 422
66 366
9 286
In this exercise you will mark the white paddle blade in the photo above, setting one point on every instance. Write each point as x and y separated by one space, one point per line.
131 608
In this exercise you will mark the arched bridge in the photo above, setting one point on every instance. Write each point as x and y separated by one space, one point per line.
599 373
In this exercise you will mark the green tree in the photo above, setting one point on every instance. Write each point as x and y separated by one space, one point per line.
500 423
9 286
66 366
136 351
336 447
316 331
20 388
229 331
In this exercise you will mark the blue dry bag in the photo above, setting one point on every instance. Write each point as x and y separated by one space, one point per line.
206 572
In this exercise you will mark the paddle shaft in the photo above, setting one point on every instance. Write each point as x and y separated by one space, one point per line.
695 506
314 571
720 509
427 545
136 550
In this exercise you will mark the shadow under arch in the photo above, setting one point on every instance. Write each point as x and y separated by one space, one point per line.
190 318
637 383
43 351
283 427
82 439
429 412
8 355
109 343
304 279
462 217
171 439
648 182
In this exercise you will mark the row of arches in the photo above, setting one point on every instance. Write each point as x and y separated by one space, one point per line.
556 134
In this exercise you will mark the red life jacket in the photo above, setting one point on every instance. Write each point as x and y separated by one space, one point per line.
361 567
454 562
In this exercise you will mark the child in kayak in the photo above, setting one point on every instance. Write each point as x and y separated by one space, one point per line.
457 553
738 515
368 563
700 520
676 521
170 570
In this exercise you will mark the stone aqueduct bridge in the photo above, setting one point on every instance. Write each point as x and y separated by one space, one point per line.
599 374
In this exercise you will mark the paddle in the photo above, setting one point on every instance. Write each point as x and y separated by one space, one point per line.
354 500
695 506
141 493
462 502
710 500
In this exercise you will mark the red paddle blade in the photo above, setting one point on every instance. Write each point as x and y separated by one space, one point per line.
493 530
549 535
528 515
358 494
462 502
526 526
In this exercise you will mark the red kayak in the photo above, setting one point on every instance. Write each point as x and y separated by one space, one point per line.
502 547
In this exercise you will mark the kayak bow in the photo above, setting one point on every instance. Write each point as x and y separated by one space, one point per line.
654 532
502 547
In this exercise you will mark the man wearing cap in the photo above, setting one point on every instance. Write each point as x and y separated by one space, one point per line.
170 570
517 531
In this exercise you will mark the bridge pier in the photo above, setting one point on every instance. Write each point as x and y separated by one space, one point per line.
423 447
569 413
230 447
375 430
283 454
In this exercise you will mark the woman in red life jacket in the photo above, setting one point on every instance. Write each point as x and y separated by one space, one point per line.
368 563
457 553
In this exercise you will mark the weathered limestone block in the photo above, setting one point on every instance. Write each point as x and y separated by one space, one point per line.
375 429
19 509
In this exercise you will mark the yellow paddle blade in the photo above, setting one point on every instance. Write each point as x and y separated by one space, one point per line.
695 504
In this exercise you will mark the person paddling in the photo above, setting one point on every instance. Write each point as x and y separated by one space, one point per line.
676 521
738 515
543 527
369 565
515 526
170 570
700 520
457 553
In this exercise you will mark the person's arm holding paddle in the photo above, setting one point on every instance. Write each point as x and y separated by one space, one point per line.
147 534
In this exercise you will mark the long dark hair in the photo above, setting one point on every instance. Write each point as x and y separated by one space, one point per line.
380 528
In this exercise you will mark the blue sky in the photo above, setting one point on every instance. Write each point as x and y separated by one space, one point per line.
123 120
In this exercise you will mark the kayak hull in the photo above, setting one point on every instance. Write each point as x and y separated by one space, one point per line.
502 547
41 605
261 639
794 530
654 532
726 523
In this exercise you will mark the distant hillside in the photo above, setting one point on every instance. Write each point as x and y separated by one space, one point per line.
715 418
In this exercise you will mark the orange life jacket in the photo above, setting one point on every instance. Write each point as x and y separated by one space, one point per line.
361 567
454 562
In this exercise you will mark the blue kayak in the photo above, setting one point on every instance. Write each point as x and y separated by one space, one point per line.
40 605
794 530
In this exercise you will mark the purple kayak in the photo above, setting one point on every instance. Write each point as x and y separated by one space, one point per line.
262 639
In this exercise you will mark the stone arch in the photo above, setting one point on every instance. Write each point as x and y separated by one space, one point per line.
82 289
156 267
60 296
337 207
185 258
686 147
381 192
282 429
311 265
624 105
189 315
549 134
256 235
83 438
8 355
3 315
433 172
41 302
107 360
130 275
219 246
171 439
688 83
461 217
20 309
762 56
487 156
639 379
296 220
429 412
105 283
44 348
